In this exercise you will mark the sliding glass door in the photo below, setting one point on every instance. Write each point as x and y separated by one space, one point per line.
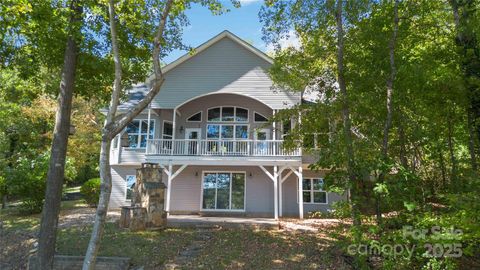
223 191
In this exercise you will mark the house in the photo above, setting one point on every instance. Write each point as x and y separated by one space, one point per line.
208 129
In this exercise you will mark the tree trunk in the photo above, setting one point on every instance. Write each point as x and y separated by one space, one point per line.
114 126
453 160
471 140
347 125
388 121
442 168
56 170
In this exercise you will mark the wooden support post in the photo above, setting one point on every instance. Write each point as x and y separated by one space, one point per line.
300 192
275 188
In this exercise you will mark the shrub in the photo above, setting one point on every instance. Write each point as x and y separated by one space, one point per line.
341 210
91 191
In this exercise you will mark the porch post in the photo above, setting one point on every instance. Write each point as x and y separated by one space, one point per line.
148 128
300 192
275 188
119 147
174 127
280 195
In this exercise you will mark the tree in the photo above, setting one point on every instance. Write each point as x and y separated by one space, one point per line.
56 170
114 124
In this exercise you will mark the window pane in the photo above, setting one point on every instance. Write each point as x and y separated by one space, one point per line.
143 141
209 183
167 128
152 128
320 197
238 190
227 114
144 126
132 141
130 185
241 132
317 184
241 115
307 197
307 184
214 114
196 117
260 118
309 141
213 131
223 191
227 132
133 127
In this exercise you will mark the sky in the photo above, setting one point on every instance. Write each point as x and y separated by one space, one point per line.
243 22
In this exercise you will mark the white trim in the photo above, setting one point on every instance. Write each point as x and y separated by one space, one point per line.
312 191
219 93
163 128
230 197
255 112
201 117
227 124
139 134
234 114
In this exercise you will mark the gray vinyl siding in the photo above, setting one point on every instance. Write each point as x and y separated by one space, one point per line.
204 103
224 67
119 173
187 190
290 196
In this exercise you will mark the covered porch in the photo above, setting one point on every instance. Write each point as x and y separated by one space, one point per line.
273 175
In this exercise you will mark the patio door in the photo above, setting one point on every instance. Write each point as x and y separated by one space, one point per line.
192 137
223 191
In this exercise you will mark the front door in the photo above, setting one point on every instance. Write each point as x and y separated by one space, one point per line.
192 135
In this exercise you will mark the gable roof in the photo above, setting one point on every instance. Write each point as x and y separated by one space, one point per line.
210 42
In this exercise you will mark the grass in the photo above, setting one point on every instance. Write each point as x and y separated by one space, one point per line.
226 249
259 249
72 189
150 249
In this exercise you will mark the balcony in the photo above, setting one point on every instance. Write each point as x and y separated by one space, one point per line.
219 148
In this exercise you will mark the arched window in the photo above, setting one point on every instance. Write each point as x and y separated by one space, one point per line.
197 117
227 114
260 118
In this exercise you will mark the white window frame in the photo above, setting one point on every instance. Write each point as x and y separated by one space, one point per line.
255 112
163 130
126 185
230 202
234 131
201 117
234 114
139 134
312 191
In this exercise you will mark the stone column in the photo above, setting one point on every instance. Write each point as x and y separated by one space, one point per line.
149 194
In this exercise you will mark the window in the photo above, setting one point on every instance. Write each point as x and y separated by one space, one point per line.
197 117
260 118
313 191
167 130
225 131
137 132
223 191
286 126
130 182
227 114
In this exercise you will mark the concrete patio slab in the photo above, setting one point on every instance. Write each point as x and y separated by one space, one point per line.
195 221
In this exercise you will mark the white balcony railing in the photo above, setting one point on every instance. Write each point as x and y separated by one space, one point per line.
169 147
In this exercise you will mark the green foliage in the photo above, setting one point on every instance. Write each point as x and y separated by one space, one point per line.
91 191
27 181
341 210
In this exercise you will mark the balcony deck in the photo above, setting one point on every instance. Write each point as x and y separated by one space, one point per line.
203 152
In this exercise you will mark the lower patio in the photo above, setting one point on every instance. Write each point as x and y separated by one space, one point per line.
195 221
